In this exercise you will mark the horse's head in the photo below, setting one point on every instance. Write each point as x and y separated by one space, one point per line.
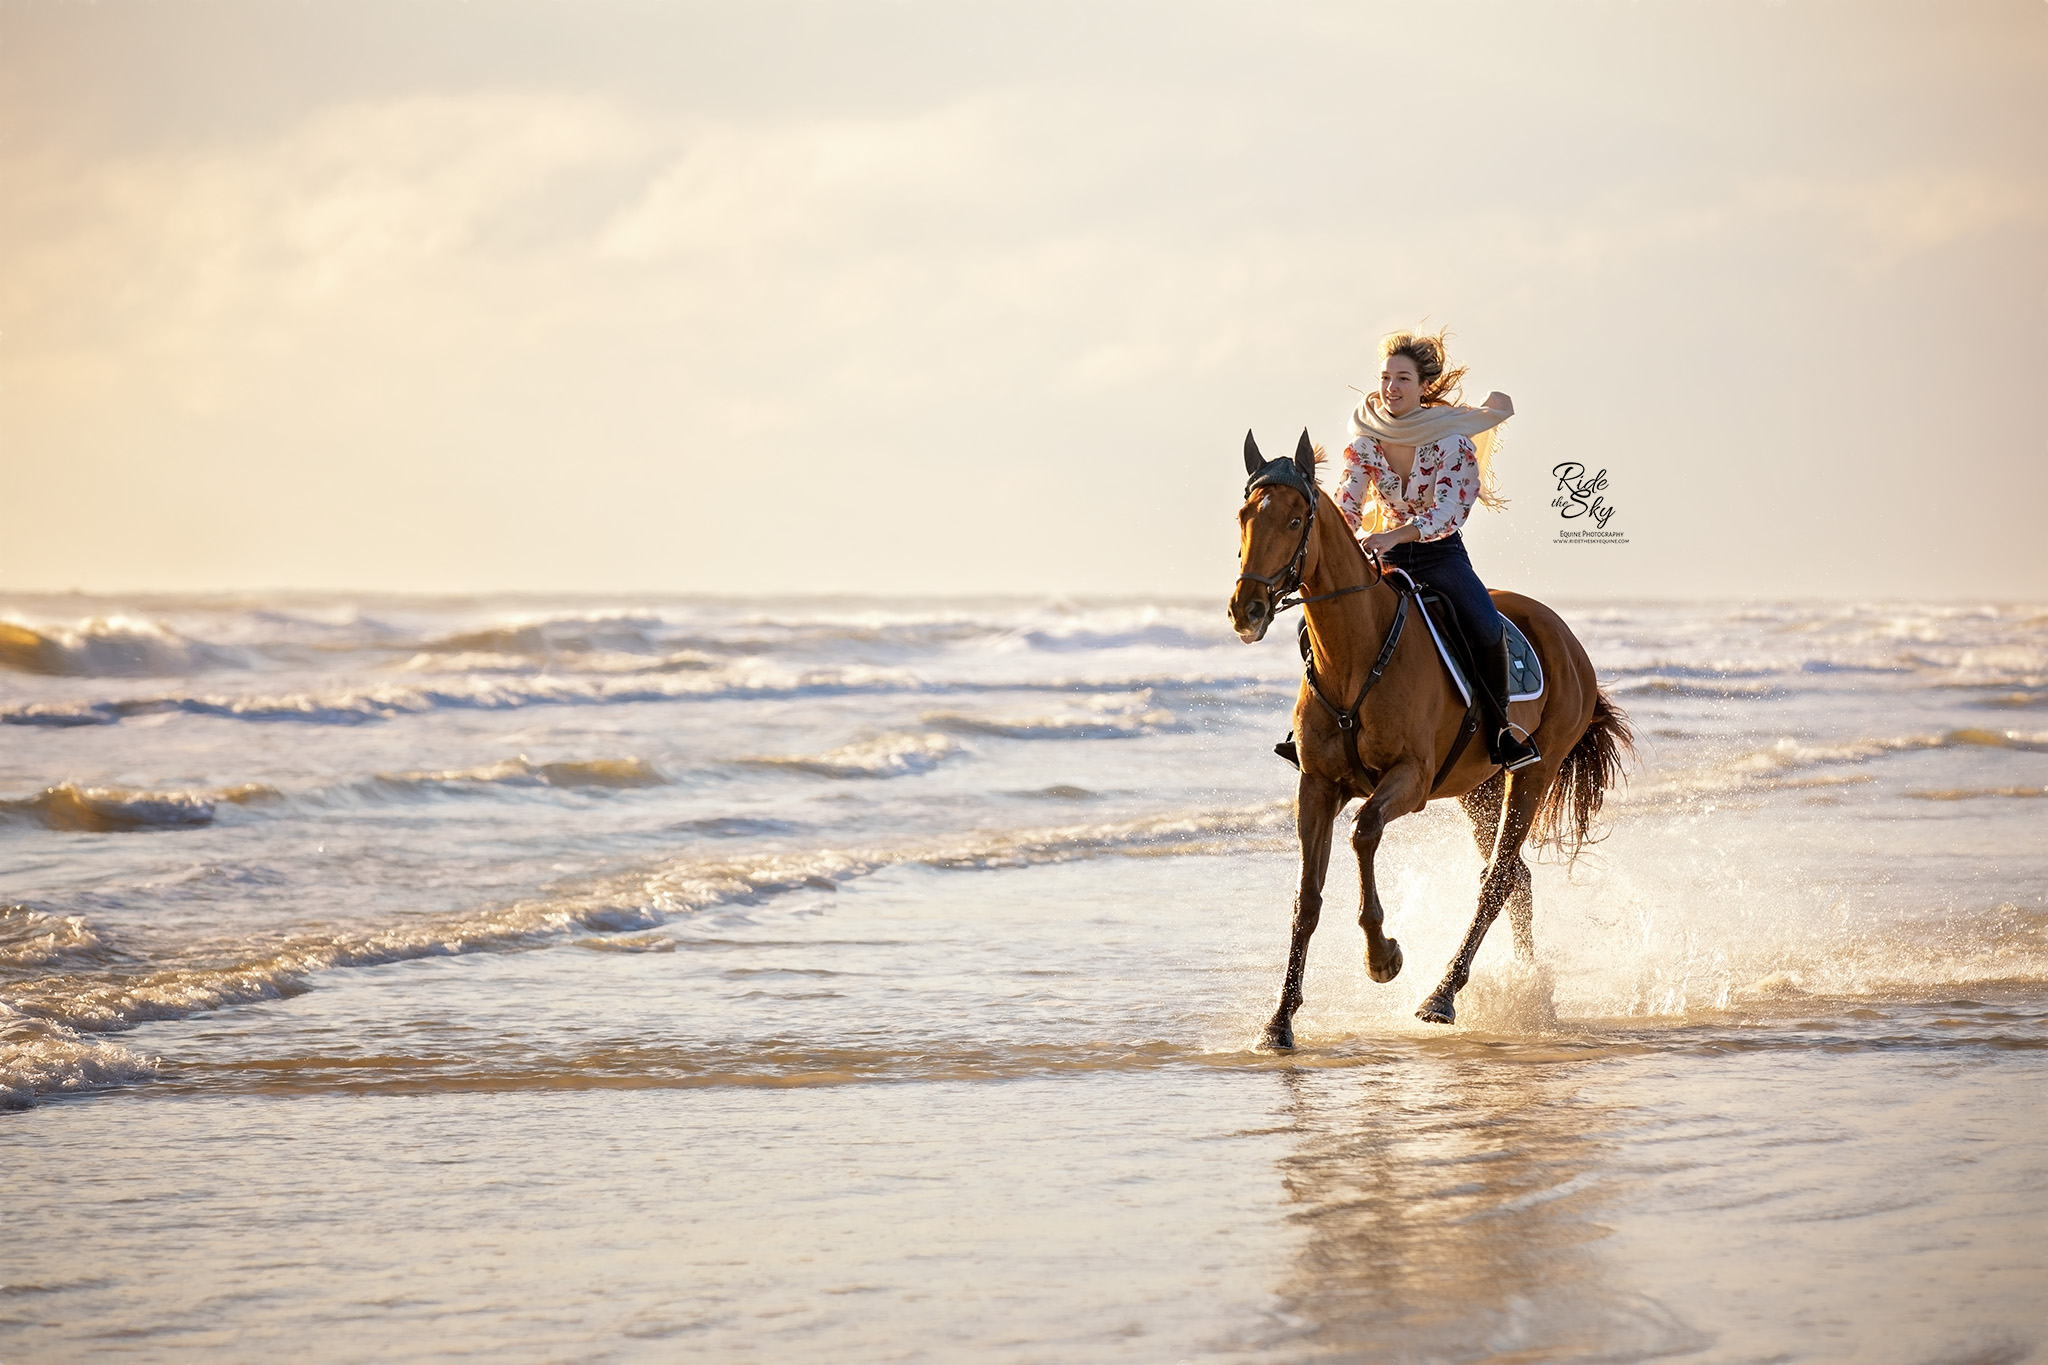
1274 527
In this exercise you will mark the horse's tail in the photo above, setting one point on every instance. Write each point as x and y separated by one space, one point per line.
1565 818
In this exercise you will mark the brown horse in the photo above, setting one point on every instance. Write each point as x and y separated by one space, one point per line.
1399 743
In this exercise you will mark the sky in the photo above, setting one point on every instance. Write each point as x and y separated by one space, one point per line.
906 297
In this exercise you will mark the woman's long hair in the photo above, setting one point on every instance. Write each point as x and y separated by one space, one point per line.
1443 382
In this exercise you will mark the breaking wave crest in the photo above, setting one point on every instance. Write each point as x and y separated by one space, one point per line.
522 771
32 939
113 810
39 1058
1101 721
892 755
114 648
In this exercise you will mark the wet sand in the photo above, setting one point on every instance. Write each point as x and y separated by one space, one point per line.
1814 1180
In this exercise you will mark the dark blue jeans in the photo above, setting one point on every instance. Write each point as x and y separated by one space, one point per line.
1444 565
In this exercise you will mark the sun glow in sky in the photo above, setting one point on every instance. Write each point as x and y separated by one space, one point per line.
915 296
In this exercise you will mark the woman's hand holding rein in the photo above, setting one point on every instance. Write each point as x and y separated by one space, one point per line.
1379 542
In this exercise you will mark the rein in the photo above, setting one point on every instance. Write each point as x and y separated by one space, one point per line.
1283 588
1283 582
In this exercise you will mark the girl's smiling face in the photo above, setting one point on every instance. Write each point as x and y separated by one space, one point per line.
1400 386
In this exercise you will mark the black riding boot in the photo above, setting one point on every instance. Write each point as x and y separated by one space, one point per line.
1285 748
1509 750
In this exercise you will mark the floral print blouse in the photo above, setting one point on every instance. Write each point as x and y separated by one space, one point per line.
1437 495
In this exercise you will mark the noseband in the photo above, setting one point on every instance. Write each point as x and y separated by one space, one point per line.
1278 586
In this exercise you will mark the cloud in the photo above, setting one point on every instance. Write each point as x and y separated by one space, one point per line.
512 300
734 188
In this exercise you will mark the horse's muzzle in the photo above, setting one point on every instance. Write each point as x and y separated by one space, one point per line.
1250 617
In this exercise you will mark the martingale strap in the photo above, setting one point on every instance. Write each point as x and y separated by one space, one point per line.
1347 718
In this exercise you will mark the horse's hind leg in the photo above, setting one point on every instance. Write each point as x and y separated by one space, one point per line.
1522 912
1483 803
1506 881
1315 813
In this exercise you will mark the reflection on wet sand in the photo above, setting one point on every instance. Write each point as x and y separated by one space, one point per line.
1451 1197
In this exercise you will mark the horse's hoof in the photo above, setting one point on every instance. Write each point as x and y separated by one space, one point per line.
1393 963
1438 1009
1278 1037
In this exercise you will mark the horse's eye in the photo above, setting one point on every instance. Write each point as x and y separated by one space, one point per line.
1292 524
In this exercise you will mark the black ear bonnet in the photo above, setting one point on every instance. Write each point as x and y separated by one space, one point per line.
1298 473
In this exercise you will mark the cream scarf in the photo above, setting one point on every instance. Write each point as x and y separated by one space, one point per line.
1428 425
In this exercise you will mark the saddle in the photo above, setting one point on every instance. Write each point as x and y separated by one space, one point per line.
1452 647
1525 669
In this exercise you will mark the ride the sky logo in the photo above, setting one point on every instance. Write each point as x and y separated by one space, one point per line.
1581 498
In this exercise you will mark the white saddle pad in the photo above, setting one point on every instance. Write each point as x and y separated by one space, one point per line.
1525 670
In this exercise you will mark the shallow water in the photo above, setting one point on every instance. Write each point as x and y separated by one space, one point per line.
829 980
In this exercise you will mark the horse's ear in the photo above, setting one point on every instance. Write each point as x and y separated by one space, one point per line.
1305 458
1253 461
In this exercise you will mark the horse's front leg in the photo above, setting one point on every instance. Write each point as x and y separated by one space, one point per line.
1507 878
1397 793
1315 813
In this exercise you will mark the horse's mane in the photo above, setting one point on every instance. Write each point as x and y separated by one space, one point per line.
1378 516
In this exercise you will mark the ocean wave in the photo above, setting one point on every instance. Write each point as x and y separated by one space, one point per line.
562 636
614 773
744 680
1973 793
1268 828
1108 718
1789 755
117 647
2000 739
736 827
115 810
891 755
581 633
1711 691
1970 647
112 1001
2015 701
370 705
1155 635
1720 671
890 631
32 939
40 1058
603 664
1787 764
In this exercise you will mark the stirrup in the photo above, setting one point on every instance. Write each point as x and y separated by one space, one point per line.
1285 748
1512 752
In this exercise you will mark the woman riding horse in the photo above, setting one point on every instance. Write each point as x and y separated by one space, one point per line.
1379 717
1413 471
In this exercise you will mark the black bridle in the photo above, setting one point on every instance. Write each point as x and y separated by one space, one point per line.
1285 581
1283 585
